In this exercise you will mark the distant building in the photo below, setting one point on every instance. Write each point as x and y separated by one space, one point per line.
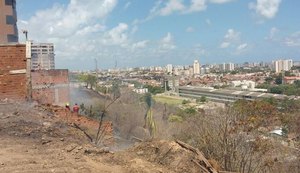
290 80
8 22
282 65
169 68
196 66
245 84
140 90
226 67
172 83
42 56
296 63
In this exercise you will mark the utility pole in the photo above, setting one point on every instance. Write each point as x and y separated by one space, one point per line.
25 32
96 64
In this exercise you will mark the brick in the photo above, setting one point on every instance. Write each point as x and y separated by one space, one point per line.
12 57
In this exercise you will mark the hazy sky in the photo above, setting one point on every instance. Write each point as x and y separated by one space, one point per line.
159 32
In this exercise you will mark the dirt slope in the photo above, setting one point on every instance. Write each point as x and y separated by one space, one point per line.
34 139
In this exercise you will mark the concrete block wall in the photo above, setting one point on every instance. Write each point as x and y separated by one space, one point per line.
13 86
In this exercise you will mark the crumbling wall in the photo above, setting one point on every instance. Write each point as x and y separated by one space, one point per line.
50 86
13 72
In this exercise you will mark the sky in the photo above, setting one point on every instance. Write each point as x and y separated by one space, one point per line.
136 33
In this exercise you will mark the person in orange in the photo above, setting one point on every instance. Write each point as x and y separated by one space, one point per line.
76 108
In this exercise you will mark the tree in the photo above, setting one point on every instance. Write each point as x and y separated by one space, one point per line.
222 135
154 89
276 90
278 79
89 80
269 80
101 131
116 94
203 99
297 83
150 123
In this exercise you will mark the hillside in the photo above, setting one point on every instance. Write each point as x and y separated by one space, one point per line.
42 139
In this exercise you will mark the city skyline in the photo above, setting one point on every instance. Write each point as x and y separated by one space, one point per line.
155 33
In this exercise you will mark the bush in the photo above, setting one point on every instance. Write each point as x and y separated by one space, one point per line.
175 118
154 89
185 102
202 99
190 111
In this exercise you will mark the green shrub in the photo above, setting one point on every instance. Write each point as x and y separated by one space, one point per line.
175 118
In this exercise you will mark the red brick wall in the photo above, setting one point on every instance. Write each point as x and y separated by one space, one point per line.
51 86
12 86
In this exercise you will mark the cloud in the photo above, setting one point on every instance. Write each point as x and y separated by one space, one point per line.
127 5
197 5
230 38
190 29
172 6
168 7
90 29
220 1
117 35
224 44
79 33
293 40
167 43
242 46
139 45
178 6
232 35
65 21
266 8
272 34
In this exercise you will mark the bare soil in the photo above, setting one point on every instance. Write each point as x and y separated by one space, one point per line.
35 138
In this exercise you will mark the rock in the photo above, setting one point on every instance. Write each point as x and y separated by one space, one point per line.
140 153
47 124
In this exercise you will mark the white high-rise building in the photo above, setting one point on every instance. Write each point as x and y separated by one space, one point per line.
169 68
229 66
42 56
282 65
226 67
196 66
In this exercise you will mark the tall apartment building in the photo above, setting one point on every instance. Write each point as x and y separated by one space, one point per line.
282 65
169 68
8 22
196 66
42 56
226 67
